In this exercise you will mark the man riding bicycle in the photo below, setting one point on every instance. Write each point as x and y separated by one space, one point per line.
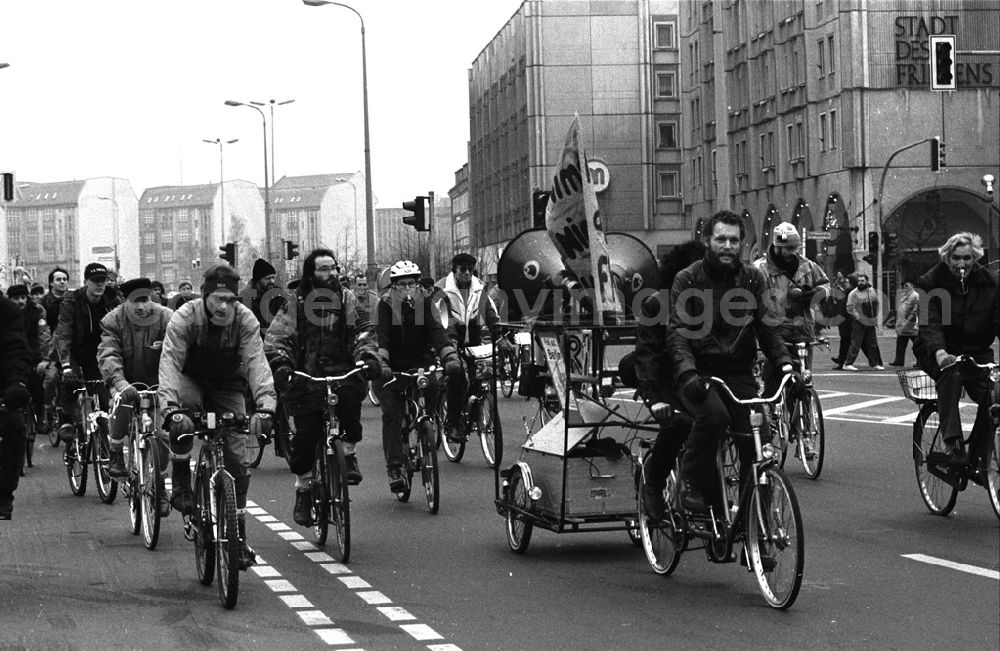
130 352
718 316
410 335
465 310
36 330
14 391
76 339
212 349
321 335
962 319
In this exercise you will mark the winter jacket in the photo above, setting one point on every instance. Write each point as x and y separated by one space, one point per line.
50 303
368 306
13 345
130 347
907 307
862 305
226 356
971 324
76 337
704 340
797 320
406 343
36 330
653 362
464 318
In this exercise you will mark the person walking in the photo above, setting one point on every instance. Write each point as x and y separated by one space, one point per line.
862 305
907 308
841 288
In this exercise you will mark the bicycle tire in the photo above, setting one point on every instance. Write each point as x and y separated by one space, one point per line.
518 526
429 467
453 451
204 535
320 494
508 374
132 483
107 487
938 495
812 437
487 428
775 544
152 490
52 423
659 538
227 540
991 468
30 432
77 464
340 500
781 435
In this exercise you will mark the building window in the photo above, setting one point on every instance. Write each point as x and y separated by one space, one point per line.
792 143
823 135
149 219
668 185
167 254
149 237
148 258
666 84
821 58
800 139
833 129
832 54
666 35
666 135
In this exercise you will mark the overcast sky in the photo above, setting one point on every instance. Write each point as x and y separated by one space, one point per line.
129 88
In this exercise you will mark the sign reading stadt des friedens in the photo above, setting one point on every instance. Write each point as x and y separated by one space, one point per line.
911 54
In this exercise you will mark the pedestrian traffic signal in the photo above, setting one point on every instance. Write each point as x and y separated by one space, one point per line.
228 253
891 245
943 63
872 249
417 220
291 249
8 186
539 202
935 154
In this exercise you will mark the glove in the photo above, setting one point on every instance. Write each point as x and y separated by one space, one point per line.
260 425
452 365
42 368
695 389
16 396
661 411
944 358
178 424
283 378
796 380
128 395
372 369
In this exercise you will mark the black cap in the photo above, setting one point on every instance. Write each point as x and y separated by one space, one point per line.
220 276
17 290
95 271
136 284
463 259
37 289
261 269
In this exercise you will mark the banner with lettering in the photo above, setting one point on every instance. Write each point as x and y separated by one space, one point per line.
573 221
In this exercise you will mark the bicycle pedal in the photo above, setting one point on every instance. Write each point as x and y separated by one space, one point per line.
189 529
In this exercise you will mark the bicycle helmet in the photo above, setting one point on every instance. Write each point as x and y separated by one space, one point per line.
403 269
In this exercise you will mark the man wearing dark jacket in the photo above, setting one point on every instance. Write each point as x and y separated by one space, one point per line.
263 280
77 337
410 335
718 315
36 331
14 387
962 319
58 286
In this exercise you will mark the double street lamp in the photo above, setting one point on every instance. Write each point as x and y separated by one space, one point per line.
273 103
268 251
222 188
369 213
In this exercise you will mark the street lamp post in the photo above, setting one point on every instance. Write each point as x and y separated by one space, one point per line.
355 189
222 187
115 239
369 211
273 103
268 251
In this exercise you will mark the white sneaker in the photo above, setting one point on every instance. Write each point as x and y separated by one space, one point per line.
879 368
850 367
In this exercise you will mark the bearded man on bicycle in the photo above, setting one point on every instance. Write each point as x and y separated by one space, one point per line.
718 316
212 349
129 352
962 319
320 334
410 335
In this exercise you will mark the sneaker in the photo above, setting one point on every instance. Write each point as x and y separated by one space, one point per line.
692 498
302 511
354 476
849 367
116 464
652 497
455 434
878 367
67 432
248 557
6 507
396 482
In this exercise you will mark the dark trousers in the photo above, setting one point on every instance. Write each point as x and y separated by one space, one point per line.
67 405
668 443
845 327
11 454
712 420
309 427
391 402
901 342
949 390
863 339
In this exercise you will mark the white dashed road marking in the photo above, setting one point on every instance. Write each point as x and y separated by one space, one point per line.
961 567
861 405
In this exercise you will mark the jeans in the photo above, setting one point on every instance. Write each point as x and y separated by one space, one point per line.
310 426
391 401
949 389
901 341
845 327
863 339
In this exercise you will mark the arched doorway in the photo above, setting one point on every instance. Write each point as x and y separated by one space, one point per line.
838 252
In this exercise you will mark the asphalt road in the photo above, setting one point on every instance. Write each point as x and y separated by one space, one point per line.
880 572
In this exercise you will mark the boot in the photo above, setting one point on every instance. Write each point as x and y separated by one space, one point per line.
116 463
302 511
8 484
181 496
248 556
353 471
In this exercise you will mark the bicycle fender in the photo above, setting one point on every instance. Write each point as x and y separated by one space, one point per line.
529 481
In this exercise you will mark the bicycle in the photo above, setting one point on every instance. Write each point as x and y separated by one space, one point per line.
760 511
145 452
798 417
419 450
479 415
30 432
508 367
212 524
939 480
91 445
330 495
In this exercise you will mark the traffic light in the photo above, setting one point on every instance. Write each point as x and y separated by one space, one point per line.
417 220
539 201
943 63
291 249
8 186
872 249
935 154
891 245
228 253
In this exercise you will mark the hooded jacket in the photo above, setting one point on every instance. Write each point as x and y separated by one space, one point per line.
464 318
130 347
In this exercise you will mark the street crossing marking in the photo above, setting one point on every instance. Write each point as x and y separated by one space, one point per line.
961 567
861 405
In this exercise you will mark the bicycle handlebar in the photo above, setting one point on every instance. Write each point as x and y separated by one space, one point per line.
331 379
751 401
412 374
968 359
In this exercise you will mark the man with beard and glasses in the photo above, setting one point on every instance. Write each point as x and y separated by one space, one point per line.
862 305
718 316
320 334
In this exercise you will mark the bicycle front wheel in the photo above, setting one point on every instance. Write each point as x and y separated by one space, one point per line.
132 485
774 539
151 489
992 467
52 422
488 431
227 540
339 501
508 374
659 538
429 466
204 534
519 526
320 492
107 488
811 434
454 451
77 457
928 454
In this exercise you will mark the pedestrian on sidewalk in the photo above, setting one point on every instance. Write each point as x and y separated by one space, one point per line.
841 288
862 304
907 308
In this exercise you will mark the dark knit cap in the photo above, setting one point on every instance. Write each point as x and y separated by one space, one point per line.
262 268
220 276
136 284
463 259
17 289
